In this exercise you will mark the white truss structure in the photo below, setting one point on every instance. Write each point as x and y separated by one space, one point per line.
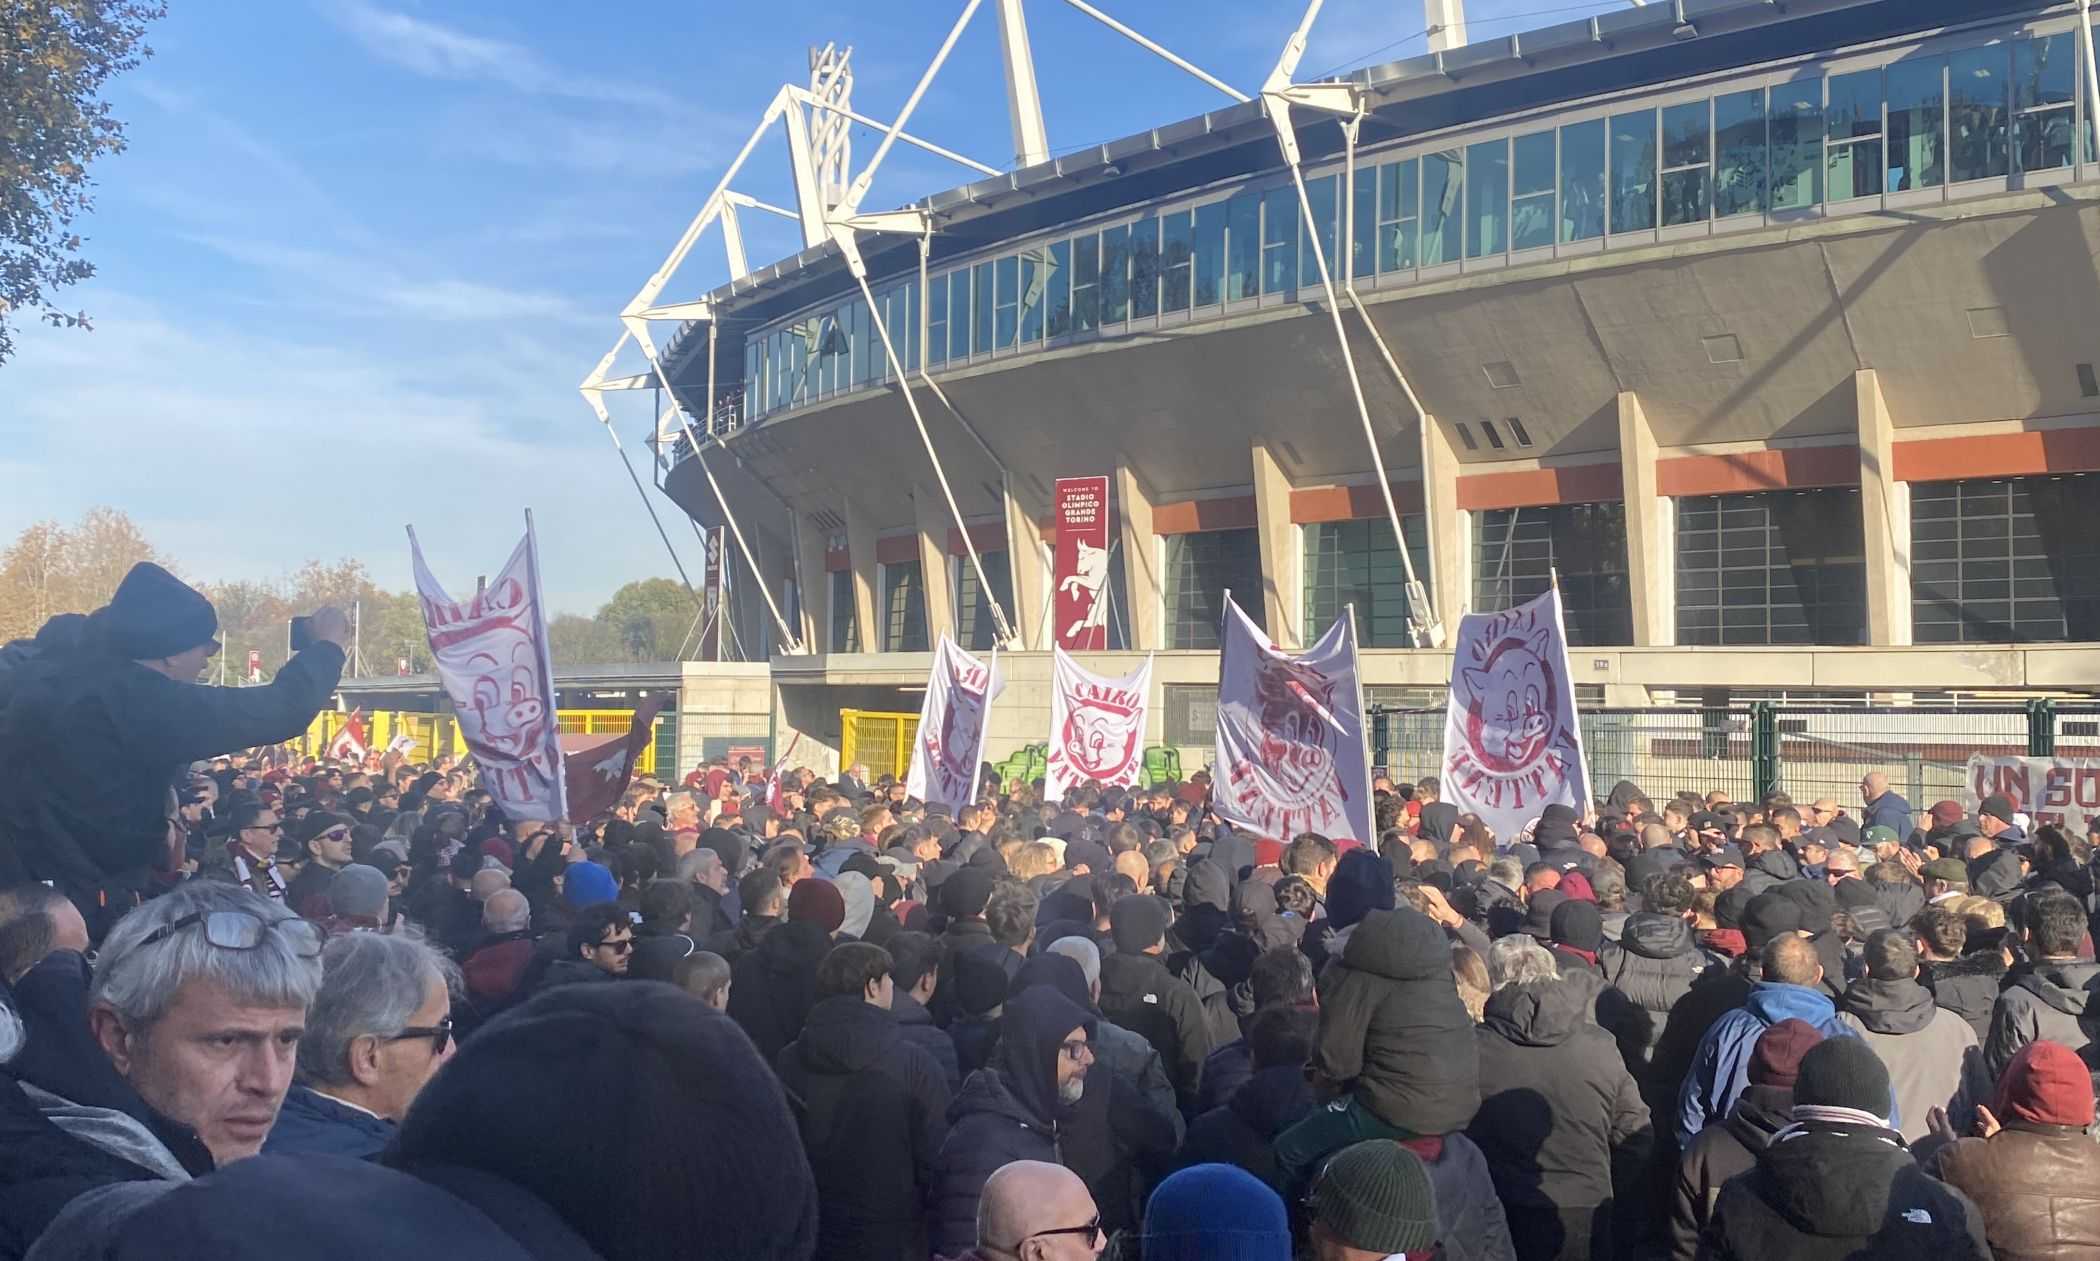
816 122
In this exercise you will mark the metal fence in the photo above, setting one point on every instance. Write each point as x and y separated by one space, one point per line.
1805 751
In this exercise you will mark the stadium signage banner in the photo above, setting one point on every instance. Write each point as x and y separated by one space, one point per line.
1512 745
949 748
1097 726
491 656
1079 600
1291 756
711 635
2063 791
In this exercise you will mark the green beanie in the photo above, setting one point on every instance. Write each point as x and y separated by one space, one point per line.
1376 1196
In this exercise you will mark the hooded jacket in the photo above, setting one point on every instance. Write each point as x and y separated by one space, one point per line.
1719 1153
2052 1000
1770 869
1996 876
1721 1067
1138 993
773 987
1967 986
1556 1099
1007 1112
1924 1047
873 1110
1825 1192
1243 1130
1393 1027
1889 810
1123 1053
1655 965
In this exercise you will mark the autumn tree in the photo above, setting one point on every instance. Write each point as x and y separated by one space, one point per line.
50 569
653 620
55 58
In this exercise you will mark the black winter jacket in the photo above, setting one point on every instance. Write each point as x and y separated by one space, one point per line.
873 1111
1556 1100
1138 993
1393 1027
773 987
1655 965
1723 1150
1826 1192
1243 1131
1118 1142
915 1025
2043 1000
1967 986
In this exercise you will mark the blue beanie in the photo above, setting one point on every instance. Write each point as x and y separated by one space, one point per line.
1216 1213
588 884
1362 883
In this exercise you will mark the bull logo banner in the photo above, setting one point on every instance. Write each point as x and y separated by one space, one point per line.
491 657
1512 745
1079 598
949 748
1291 753
711 635
1097 726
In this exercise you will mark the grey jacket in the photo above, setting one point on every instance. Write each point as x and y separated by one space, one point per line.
1924 1046
2050 1001
87 1226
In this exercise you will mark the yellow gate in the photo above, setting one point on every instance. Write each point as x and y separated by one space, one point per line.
436 734
882 741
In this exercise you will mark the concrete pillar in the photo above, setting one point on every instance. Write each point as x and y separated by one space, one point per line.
1024 553
1650 563
934 526
1144 583
1884 506
1282 555
860 550
813 583
1450 544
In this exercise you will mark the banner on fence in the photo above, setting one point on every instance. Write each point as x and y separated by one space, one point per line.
1512 745
490 653
1079 600
1291 754
949 747
2063 791
1097 726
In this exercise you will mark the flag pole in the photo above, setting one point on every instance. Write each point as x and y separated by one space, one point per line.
1363 728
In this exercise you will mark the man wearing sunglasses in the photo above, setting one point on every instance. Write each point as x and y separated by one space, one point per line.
600 945
380 1028
1036 1211
324 841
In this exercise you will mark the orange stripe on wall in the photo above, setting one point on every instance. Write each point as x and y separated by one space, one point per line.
1533 488
897 550
1315 505
1194 516
836 560
1998 455
989 536
1749 471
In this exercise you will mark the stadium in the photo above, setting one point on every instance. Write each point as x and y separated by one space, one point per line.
1765 327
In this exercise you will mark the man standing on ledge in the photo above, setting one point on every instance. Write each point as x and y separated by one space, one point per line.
101 712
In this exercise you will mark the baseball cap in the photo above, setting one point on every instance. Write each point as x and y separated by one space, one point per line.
1722 856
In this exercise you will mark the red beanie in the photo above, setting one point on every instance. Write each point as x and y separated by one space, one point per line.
1776 1058
2046 1084
1577 887
818 901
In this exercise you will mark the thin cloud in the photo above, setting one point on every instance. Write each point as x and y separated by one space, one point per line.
443 52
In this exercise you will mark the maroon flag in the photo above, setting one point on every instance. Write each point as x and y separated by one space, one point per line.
1079 595
599 767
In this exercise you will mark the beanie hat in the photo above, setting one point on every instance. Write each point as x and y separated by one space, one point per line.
1362 883
634 1160
2046 1084
317 822
1775 1058
728 846
1843 1073
1998 806
1946 813
1089 853
1879 833
153 615
588 884
499 849
817 901
1730 906
357 890
1538 913
1852 895
980 977
1578 924
1576 887
1138 922
1377 1196
1216 1213
965 893
1768 915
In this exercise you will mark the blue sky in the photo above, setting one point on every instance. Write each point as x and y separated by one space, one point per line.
360 252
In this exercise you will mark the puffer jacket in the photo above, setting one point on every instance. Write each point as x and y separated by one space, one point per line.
1967 986
1722 1151
2043 1000
1769 870
1996 876
1393 1027
1924 1047
2038 1187
1655 965
1243 1131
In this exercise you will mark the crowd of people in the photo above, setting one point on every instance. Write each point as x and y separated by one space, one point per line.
264 1010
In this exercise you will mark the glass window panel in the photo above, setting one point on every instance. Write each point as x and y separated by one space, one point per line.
1516 552
1788 569
936 321
1917 109
1633 171
1175 231
911 325
1355 563
1531 164
1739 154
1363 235
1399 204
1582 181
1685 140
1200 568
2045 71
1487 198
1279 249
1007 286
1144 269
1855 105
904 605
1115 275
959 314
1684 196
1531 222
1086 283
975 627
1324 196
1976 114
1060 299
1209 262
985 311
845 627
897 319
1443 218
1243 246
1855 170
1034 284
1797 145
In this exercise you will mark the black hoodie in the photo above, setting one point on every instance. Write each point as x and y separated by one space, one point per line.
774 986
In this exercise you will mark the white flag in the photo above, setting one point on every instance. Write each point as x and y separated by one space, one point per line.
1097 726
491 656
949 746
1512 745
1291 754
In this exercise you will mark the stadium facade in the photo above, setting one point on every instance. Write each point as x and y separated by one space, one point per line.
1770 329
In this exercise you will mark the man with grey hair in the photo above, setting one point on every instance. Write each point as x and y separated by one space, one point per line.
1126 1052
703 869
1517 959
198 1002
379 1029
494 968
